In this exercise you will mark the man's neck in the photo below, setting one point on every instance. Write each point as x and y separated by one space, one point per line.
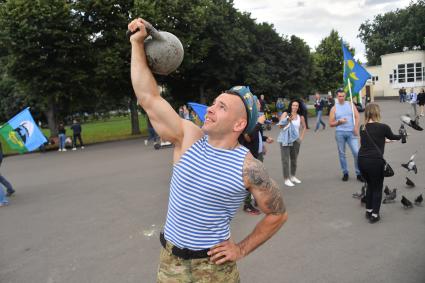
223 142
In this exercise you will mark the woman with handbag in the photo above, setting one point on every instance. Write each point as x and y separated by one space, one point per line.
371 158
292 132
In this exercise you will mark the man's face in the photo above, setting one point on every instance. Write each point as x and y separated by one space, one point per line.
341 97
226 115
262 97
317 96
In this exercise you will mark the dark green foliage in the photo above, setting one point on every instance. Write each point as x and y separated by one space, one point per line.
329 63
65 58
392 31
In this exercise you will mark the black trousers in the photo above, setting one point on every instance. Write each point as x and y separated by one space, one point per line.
373 172
74 139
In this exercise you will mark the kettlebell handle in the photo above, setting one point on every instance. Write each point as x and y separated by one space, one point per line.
149 28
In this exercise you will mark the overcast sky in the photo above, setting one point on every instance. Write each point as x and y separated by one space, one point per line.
312 20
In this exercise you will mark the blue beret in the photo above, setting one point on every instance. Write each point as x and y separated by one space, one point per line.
250 102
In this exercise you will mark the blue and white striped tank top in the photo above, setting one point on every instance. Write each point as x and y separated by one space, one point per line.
206 190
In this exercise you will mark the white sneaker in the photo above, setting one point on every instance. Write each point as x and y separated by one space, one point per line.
59 149
288 183
295 180
146 142
64 149
74 148
82 147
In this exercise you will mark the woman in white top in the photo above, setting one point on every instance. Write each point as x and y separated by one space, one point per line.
290 148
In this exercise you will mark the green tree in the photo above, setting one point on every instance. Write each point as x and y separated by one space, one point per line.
45 53
106 23
392 31
329 63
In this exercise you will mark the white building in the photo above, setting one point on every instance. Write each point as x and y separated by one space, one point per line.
402 69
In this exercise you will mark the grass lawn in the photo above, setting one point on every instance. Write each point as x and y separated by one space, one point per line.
115 128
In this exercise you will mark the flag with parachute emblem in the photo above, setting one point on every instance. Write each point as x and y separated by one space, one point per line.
355 76
21 133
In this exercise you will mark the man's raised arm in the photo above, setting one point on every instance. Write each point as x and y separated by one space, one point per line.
164 119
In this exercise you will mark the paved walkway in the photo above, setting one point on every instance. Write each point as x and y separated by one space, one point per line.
94 216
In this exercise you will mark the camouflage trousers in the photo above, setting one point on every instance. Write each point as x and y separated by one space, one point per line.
173 269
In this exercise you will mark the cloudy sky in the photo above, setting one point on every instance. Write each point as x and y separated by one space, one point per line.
312 20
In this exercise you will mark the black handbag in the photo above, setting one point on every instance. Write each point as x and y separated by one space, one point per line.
388 171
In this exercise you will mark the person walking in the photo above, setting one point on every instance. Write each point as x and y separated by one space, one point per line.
413 99
371 163
62 137
212 174
347 131
76 134
330 103
292 132
319 104
4 182
421 101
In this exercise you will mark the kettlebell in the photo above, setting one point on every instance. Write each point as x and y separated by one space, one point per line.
164 51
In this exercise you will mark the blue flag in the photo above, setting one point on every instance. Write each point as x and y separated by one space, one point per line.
21 133
353 72
200 110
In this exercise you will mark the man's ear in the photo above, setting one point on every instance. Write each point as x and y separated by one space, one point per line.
240 125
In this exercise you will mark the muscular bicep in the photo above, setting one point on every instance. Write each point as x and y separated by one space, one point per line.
264 189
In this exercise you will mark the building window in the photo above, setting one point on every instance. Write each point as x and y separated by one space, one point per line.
418 69
401 70
411 72
391 78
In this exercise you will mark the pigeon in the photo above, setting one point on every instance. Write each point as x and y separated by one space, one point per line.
410 165
390 197
362 193
387 190
406 203
410 122
419 199
409 183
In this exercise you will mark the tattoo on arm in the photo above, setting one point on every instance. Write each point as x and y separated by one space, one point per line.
259 180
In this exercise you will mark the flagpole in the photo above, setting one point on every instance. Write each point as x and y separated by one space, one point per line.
351 98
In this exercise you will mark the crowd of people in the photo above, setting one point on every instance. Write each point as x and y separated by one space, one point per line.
218 165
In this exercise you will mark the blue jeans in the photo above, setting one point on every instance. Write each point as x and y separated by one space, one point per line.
62 138
342 138
6 184
319 120
3 198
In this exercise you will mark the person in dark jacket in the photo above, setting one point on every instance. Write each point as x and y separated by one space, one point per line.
76 134
254 141
9 189
319 104
370 158
304 111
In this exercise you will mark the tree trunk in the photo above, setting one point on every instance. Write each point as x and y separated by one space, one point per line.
134 116
202 98
51 119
